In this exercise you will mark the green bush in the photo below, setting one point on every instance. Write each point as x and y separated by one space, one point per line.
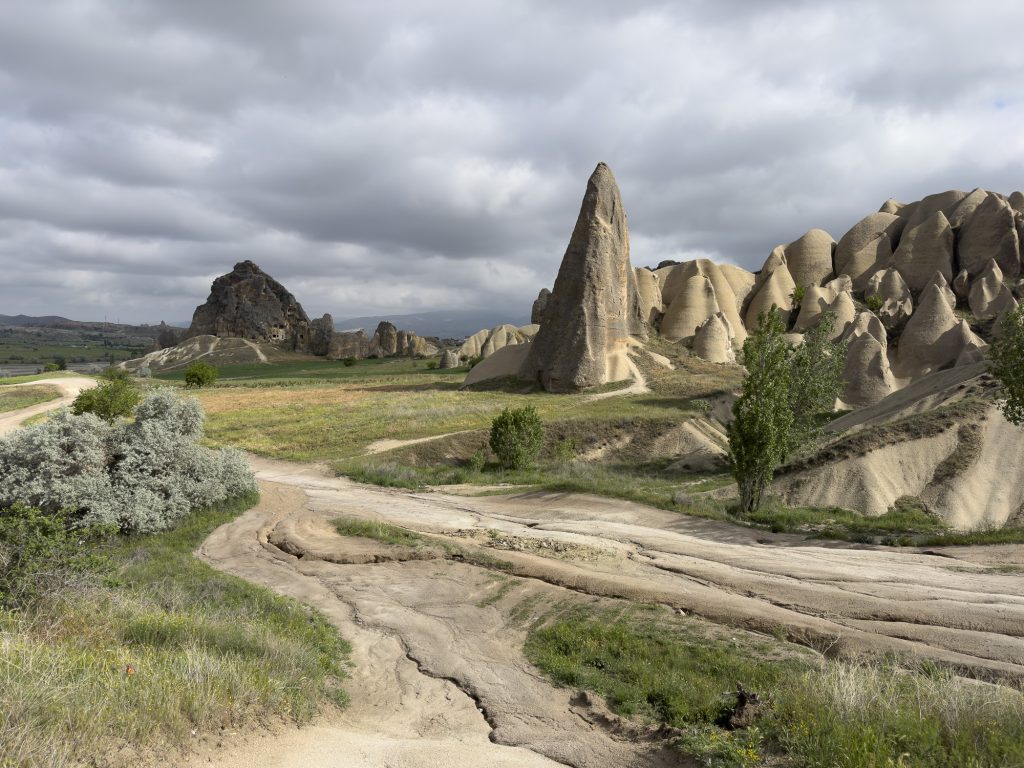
432 365
349 362
110 400
517 436
50 368
39 553
116 374
874 302
200 374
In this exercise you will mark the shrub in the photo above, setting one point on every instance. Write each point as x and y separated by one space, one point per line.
874 302
474 361
517 436
111 399
432 365
50 368
200 374
477 461
39 553
1007 353
349 362
141 476
116 374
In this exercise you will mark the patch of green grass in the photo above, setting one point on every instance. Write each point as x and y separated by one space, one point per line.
903 520
37 377
1013 534
16 398
675 671
377 530
156 647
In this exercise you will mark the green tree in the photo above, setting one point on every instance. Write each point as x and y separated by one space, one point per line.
200 374
1007 364
517 436
110 400
816 378
759 434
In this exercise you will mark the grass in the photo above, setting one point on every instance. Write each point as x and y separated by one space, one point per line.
377 530
17 398
206 650
37 377
666 669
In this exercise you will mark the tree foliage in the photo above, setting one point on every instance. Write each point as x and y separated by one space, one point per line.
816 371
200 374
785 393
517 436
759 434
110 400
1007 365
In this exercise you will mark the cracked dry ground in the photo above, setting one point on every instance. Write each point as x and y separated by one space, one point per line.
440 678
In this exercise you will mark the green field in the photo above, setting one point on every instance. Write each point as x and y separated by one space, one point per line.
16 398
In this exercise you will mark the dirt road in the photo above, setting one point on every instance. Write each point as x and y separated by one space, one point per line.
69 388
440 679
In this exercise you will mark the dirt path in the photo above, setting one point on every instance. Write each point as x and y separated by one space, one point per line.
381 446
69 388
440 678
255 348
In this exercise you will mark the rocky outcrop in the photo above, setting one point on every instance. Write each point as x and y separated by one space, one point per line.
649 292
449 360
990 233
867 377
713 340
594 308
820 299
934 338
349 345
321 331
809 258
773 288
940 282
249 304
388 341
989 296
868 247
485 343
925 249
729 285
539 305
693 305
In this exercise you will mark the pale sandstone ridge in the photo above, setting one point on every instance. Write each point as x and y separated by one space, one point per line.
485 343
247 303
713 340
809 258
389 341
989 296
594 308
925 249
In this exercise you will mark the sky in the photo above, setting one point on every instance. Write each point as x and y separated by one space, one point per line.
399 156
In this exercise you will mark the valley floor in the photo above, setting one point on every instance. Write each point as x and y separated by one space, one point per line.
440 677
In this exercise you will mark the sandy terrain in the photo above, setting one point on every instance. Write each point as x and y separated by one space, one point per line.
440 679
69 387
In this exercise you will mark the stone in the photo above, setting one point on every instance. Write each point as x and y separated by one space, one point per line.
818 300
449 360
966 207
1016 201
845 312
938 280
724 279
168 336
1018 290
962 285
485 343
594 309
868 247
349 345
774 287
897 303
649 291
502 336
867 376
990 233
539 305
925 249
989 296
933 338
867 323
809 258
249 304
941 202
713 340
321 331
389 341
891 206
692 306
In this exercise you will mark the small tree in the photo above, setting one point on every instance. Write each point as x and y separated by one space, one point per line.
517 436
110 400
200 374
816 378
760 432
1007 365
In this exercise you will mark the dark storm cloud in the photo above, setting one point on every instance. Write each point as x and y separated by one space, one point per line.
399 156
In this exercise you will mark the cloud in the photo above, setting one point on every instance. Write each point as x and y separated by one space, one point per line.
401 156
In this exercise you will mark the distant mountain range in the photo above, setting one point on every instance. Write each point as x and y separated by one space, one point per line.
450 324
63 323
